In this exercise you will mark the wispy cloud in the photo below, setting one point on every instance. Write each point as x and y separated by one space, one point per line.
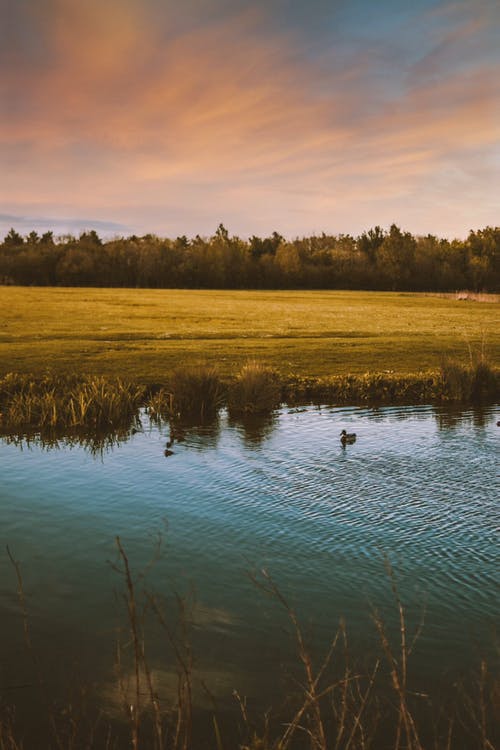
58 225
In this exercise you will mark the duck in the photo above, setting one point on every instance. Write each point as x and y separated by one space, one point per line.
347 438
168 453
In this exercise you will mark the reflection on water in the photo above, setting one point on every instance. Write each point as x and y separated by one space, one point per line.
252 429
95 442
420 484
449 417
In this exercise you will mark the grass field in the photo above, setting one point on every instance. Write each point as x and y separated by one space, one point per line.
142 334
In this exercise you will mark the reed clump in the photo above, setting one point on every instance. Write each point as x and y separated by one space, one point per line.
256 390
195 392
160 406
67 402
380 388
475 381
456 380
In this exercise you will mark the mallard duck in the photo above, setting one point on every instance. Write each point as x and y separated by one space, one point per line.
347 438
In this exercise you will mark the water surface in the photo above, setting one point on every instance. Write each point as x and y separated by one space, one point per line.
420 486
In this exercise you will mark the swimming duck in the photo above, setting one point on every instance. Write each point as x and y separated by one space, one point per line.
168 452
347 438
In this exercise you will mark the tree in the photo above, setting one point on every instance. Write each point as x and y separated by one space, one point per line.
288 261
395 258
77 267
484 248
222 233
13 239
90 238
268 245
47 238
369 242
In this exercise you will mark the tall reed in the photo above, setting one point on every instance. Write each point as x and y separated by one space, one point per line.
56 401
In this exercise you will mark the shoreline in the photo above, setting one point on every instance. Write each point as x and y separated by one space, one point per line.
79 401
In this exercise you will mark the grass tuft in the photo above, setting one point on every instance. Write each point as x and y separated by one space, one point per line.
256 390
196 392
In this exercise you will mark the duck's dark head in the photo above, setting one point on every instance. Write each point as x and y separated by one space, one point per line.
343 432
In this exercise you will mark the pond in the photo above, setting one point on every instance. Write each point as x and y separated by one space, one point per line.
419 488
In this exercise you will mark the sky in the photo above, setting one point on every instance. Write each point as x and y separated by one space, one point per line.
300 116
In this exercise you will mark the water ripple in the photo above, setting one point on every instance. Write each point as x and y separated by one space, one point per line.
419 485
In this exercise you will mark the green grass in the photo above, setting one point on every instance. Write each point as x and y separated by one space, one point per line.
142 335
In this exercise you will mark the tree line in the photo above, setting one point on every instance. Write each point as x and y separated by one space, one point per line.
374 260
